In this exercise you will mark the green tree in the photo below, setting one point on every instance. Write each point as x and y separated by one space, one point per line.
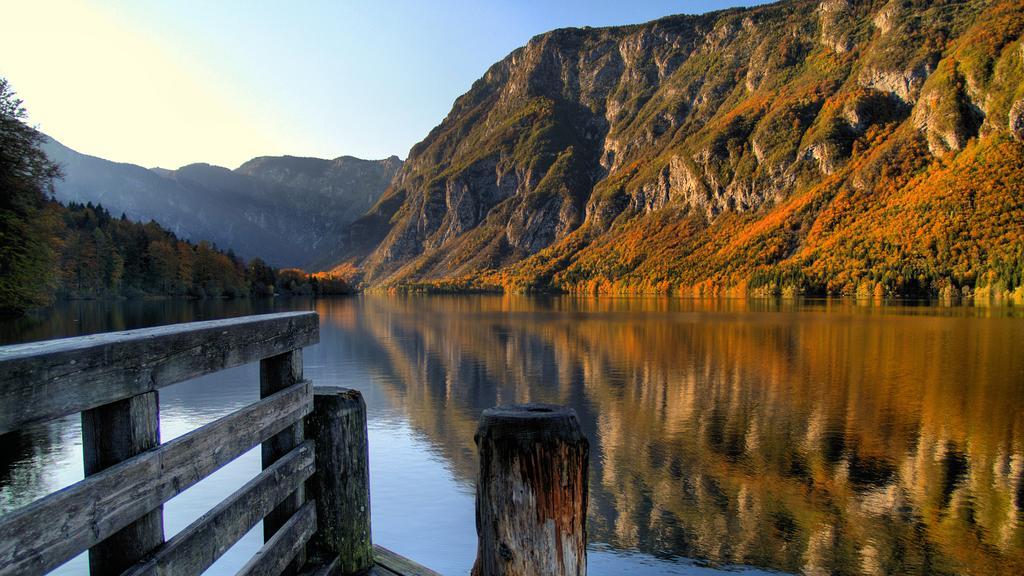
163 264
27 226
262 277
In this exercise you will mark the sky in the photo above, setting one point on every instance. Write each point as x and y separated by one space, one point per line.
161 83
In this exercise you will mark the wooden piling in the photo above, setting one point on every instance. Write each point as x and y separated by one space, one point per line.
531 500
110 434
341 484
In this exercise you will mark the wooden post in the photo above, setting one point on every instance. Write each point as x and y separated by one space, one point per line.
277 373
112 433
341 483
531 494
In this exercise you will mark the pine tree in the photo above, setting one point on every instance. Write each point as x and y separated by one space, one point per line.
27 226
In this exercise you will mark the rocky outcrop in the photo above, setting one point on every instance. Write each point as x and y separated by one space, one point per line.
835 17
904 83
678 182
946 115
1016 119
885 18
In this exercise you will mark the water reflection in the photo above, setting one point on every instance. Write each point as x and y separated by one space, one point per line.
814 437
89 317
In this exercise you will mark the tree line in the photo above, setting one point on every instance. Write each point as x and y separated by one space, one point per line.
102 256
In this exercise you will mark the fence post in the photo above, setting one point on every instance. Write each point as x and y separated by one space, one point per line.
531 494
276 374
341 483
112 433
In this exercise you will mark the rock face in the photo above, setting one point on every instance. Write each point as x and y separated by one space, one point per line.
689 120
289 211
1017 119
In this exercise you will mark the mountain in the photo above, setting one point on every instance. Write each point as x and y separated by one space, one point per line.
840 147
289 211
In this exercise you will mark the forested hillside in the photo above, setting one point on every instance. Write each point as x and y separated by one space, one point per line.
802 147
100 255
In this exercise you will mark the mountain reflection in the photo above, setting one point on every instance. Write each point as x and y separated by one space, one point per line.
817 439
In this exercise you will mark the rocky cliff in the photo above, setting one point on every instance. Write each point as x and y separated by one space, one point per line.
805 146
289 211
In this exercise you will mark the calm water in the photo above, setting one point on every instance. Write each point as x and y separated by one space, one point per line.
820 437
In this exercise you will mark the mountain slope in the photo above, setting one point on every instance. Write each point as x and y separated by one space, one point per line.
353 184
288 211
810 147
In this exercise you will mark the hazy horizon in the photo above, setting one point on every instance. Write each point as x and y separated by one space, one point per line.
169 85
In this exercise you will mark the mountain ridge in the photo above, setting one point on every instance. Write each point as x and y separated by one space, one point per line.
717 153
250 210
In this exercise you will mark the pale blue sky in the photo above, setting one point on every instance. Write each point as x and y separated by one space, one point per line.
169 83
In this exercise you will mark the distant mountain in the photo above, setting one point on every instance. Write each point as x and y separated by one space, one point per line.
289 211
836 146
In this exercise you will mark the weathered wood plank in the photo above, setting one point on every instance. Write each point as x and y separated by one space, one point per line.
40 381
277 373
52 530
280 550
341 485
111 434
399 564
198 546
393 565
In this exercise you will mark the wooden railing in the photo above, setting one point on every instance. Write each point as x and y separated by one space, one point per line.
116 512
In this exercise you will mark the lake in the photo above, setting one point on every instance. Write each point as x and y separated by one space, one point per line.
818 437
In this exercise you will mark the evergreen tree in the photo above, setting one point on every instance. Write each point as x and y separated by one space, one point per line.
262 277
27 226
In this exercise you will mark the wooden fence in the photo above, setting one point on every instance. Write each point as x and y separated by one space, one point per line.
312 494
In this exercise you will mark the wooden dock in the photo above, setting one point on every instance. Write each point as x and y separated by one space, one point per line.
312 495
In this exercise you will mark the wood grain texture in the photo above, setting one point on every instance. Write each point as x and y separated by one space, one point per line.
52 530
341 485
40 381
531 504
399 565
198 546
282 549
278 373
111 434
